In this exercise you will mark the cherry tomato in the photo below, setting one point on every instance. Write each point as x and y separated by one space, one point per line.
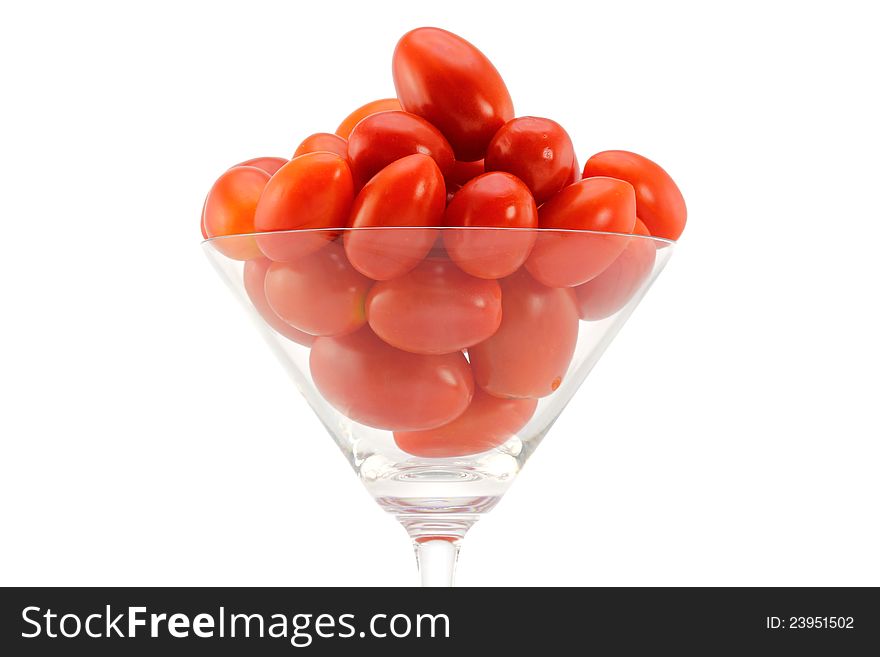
530 352
229 210
537 151
375 384
320 294
408 192
380 139
373 107
314 190
659 202
611 290
323 141
462 172
254 285
268 164
446 80
566 259
487 423
494 200
434 309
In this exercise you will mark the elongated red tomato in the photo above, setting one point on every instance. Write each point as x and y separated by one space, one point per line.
268 164
659 202
254 285
529 354
314 190
566 259
447 81
380 139
407 193
320 294
373 107
611 290
230 209
375 384
434 309
487 423
323 141
492 200
537 151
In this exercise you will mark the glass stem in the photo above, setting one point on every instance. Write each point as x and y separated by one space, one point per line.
437 538
436 559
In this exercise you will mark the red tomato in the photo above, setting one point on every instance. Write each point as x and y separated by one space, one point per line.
375 384
446 80
487 423
323 141
529 354
320 294
659 202
566 259
408 192
434 309
268 164
493 200
373 107
380 139
314 190
254 285
230 208
462 172
537 151
611 290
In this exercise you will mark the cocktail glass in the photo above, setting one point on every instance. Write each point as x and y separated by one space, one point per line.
440 380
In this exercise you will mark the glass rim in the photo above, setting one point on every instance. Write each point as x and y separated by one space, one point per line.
353 229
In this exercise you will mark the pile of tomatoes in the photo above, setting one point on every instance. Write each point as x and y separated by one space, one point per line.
445 337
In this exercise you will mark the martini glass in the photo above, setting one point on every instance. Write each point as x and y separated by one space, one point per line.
434 414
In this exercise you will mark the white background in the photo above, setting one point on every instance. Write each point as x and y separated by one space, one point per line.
728 437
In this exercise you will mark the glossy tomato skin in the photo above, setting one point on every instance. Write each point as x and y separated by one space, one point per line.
529 354
314 190
434 309
537 151
254 285
268 164
323 141
230 210
319 294
659 202
611 290
409 192
373 107
487 423
375 384
561 259
447 81
492 200
380 139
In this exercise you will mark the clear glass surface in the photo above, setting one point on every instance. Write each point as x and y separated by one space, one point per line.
440 380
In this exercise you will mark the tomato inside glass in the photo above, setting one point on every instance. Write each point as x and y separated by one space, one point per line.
434 309
529 354
487 423
376 384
